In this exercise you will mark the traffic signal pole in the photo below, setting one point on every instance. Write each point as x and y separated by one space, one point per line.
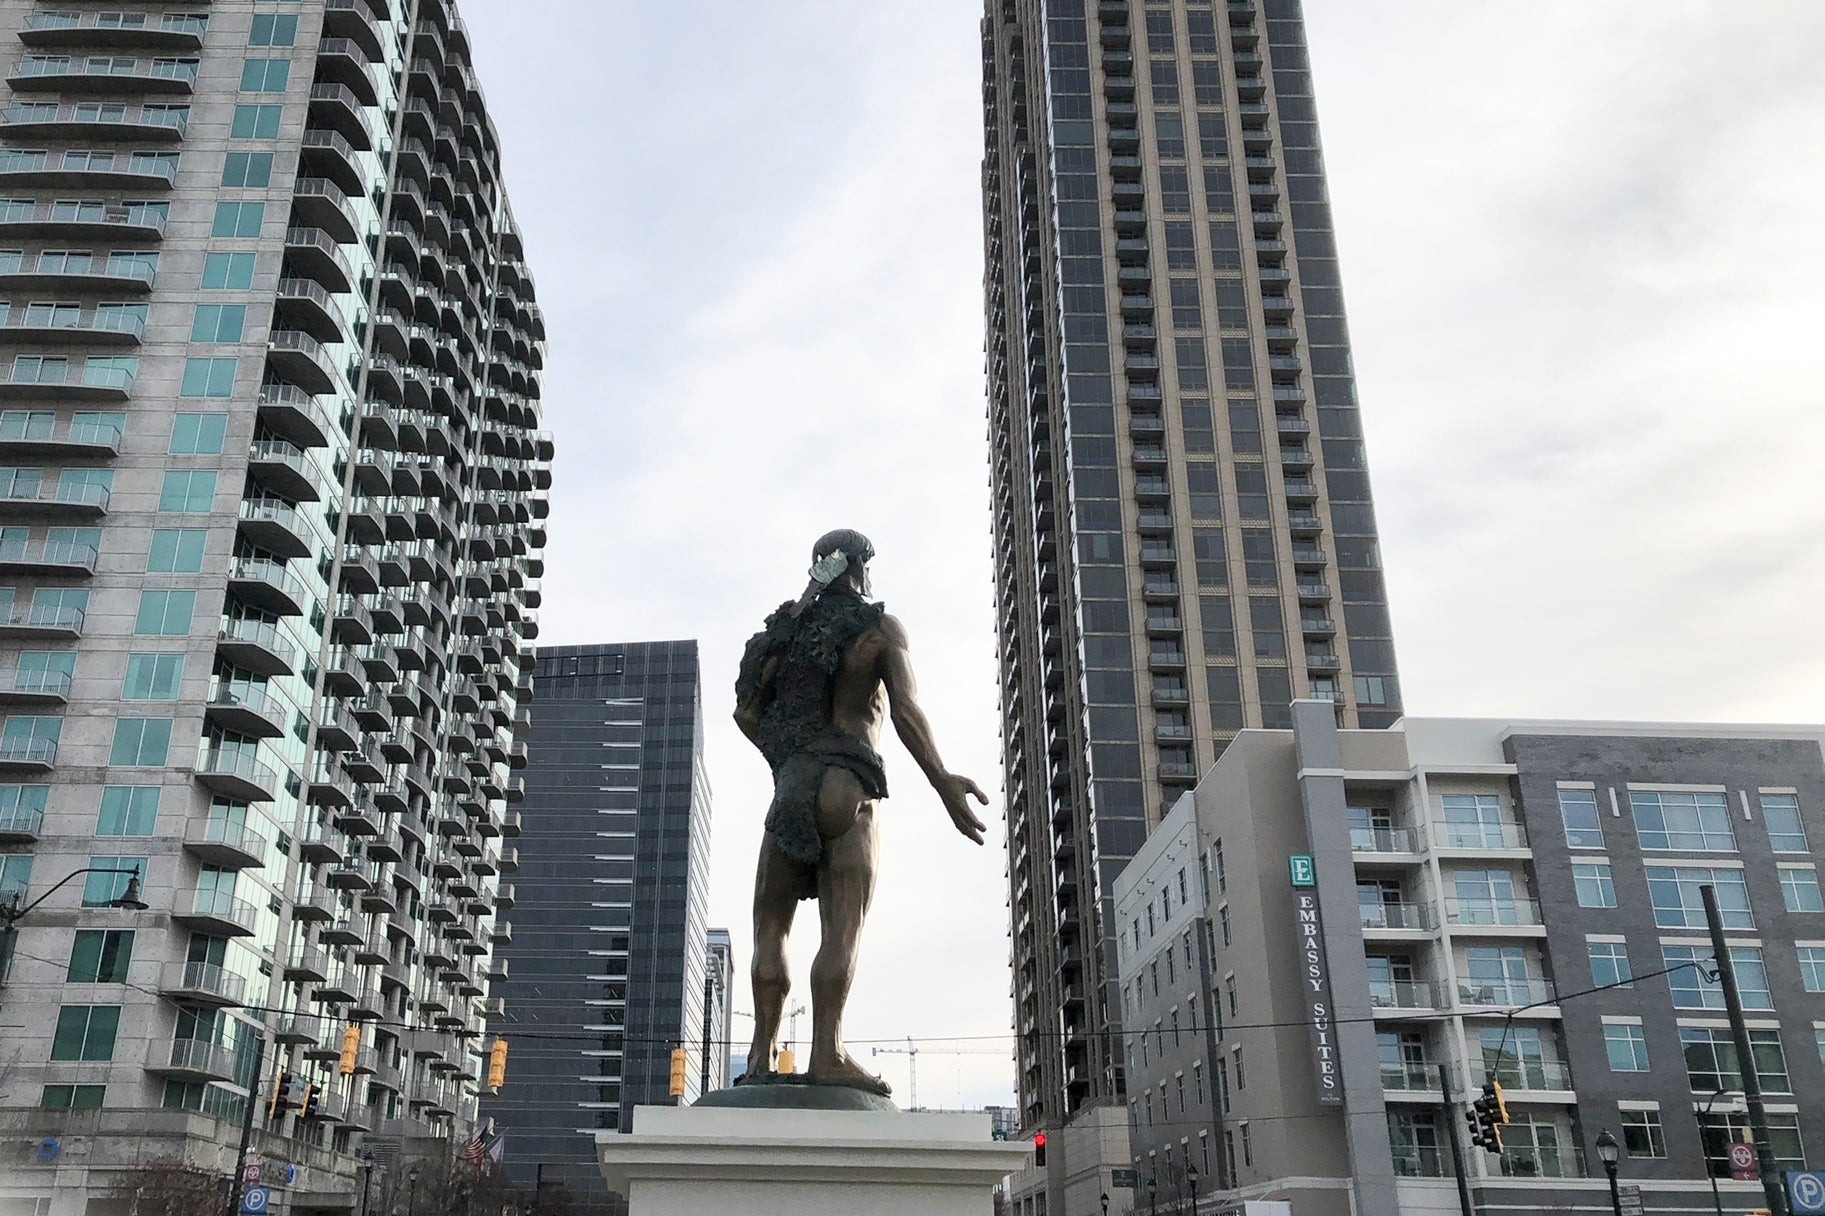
1772 1187
240 1160
1458 1166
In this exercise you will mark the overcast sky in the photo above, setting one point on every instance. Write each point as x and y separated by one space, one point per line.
1581 250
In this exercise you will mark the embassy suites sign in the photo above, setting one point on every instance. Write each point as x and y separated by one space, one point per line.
1315 981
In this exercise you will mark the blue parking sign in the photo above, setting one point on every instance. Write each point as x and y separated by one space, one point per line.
1806 1192
254 1200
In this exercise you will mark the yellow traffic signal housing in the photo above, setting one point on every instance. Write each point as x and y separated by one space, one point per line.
784 1065
497 1064
678 1067
1501 1103
351 1043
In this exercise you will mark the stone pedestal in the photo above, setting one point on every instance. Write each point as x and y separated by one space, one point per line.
696 1161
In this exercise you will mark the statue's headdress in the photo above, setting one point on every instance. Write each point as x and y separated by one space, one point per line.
832 555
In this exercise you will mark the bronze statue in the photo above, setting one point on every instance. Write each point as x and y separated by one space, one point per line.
811 694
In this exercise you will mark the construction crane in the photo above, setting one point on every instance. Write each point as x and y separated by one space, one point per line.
912 1050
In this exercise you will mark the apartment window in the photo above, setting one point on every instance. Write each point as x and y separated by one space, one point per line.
1474 821
1578 812
1674 891
1800 889
265 75
1222 872
1223 920
85 1032
152 677
238 219
128 810
1248 1150
1627 1047
1222 1086
1370 690
1711 1062
1691 822
1727 1127
40 369
274 29
228 271
1229 991
247 170
1197 1082
1594 885
1812 967
100 956
1642 1135
1241 1072
140 742
218 323
1609 963
208 377
15 874
1781 815
72 1097
1692 990
175 551
188 491
255 122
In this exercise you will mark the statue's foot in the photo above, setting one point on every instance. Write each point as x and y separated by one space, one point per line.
842 1070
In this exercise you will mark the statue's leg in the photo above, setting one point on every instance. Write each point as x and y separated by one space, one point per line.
845 889
776 886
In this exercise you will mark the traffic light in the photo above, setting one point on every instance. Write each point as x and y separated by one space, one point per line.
308 1108
1485 1116
1039 1148
784 1064
281 1094
351 1043
678 1067
497 1064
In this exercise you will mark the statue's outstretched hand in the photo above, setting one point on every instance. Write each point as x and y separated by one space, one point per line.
955 791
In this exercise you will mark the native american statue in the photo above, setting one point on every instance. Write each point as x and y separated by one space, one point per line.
814 686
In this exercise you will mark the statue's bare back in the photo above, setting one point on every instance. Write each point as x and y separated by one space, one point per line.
815 688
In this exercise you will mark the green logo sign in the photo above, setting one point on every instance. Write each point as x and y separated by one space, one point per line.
1300 867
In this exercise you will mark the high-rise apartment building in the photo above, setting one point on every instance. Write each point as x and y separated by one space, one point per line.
1183 530
1340 936
718 1012
271 507
610 953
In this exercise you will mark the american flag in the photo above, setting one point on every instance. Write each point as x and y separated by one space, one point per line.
485 1145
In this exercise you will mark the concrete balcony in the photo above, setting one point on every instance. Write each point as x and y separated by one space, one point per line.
1503 993
68 499
237 776
1382 841
21 825
337 108
1402 917
1385 995
276 526
103 75
296 415
1480 837
28 755
1493 914
35 688
84 121
228 846
203 984
321 845
256 647
191 1060
267 585
300 359
82 219
218 913
63 28
60 557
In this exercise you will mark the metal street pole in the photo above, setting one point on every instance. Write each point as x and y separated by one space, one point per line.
1607 1151
1752 1084
253 1099
1457 1150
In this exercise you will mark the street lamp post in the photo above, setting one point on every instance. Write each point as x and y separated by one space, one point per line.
367 1176
11 912
1191 1176
1105 1203
1153 1197
1704 1125
1608 1151
412 1191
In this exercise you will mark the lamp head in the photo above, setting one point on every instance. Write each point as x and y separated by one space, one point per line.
129 898
1607 1149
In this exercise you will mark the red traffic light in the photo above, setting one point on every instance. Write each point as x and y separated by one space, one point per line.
1039 1139
1039 1148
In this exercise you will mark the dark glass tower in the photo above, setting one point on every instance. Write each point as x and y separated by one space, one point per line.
607 951
1183 529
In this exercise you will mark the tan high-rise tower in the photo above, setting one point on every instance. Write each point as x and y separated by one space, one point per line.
1184 534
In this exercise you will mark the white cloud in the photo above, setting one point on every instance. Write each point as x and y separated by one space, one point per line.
1580 251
